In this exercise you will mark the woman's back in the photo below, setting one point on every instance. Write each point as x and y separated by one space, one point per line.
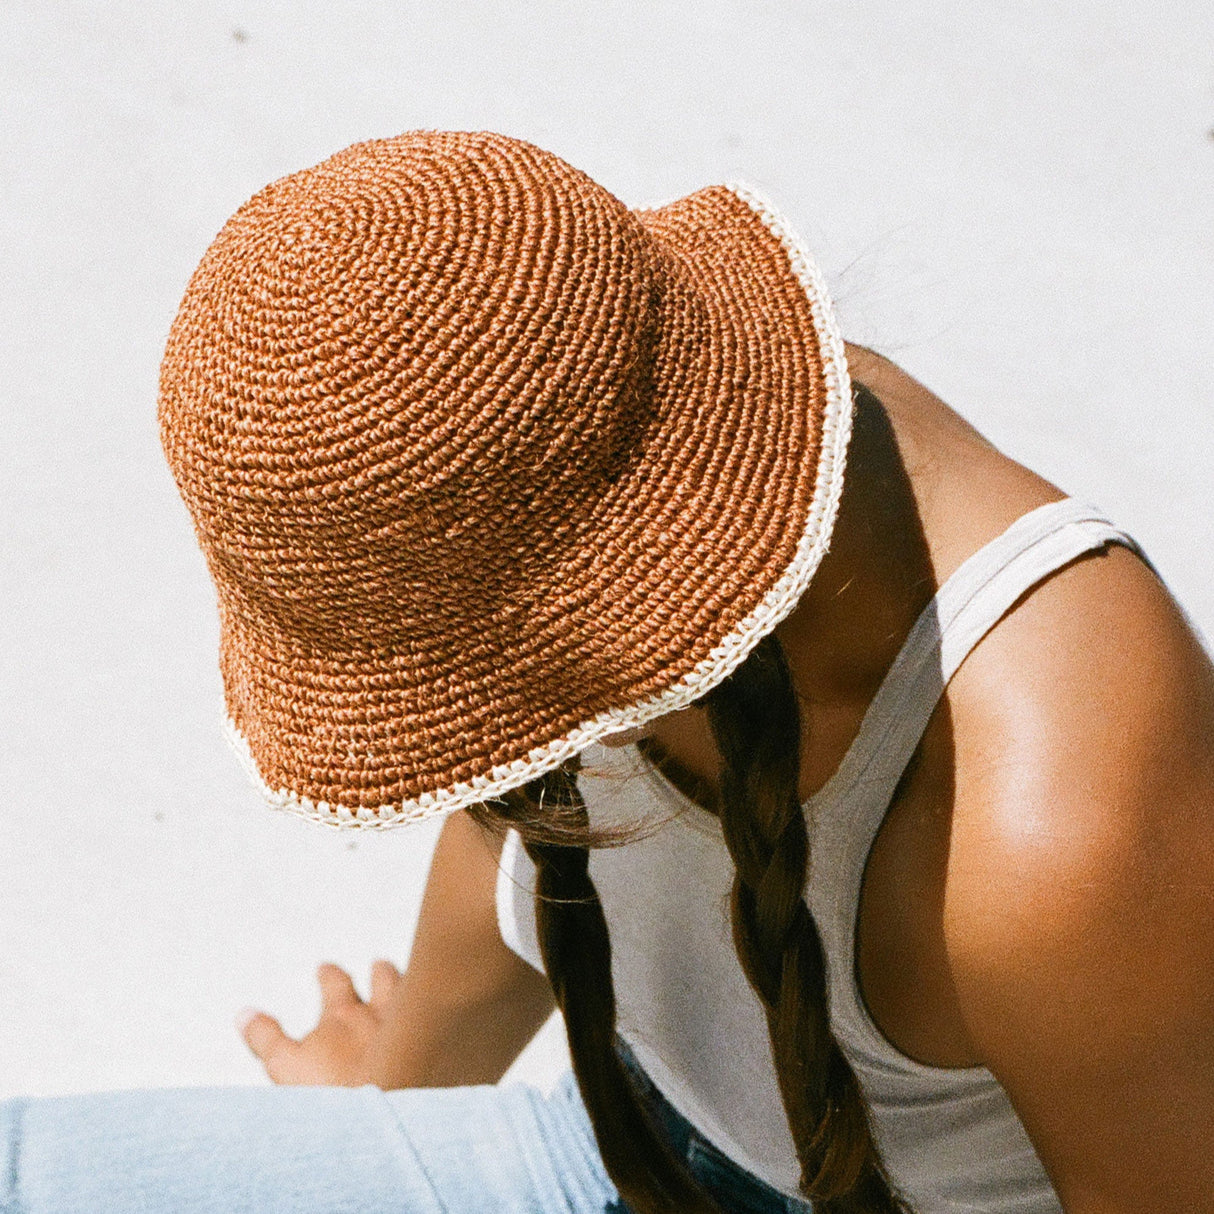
949 1136
985 930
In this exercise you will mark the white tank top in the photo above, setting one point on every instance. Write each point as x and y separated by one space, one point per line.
950 1138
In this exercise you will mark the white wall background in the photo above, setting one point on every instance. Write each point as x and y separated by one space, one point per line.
1012 199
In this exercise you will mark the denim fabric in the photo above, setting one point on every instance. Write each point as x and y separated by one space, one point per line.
480 1150
736 1190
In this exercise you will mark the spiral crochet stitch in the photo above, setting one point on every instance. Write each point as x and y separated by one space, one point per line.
486 466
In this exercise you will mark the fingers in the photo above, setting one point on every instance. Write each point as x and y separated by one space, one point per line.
264 1037
384 977
333 1052
336 988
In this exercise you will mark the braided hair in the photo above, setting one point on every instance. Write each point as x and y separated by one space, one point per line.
755 721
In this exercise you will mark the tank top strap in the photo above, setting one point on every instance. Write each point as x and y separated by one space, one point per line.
969 604
845 815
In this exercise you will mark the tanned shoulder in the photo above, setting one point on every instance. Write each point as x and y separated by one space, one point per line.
1080 890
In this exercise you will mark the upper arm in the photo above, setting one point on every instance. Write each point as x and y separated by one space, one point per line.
458 945
1080 900
466 1005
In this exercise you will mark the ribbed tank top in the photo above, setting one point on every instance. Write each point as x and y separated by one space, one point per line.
949 1137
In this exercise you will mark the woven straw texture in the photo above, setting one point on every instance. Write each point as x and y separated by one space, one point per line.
486 466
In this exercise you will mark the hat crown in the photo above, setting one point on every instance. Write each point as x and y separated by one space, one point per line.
389 369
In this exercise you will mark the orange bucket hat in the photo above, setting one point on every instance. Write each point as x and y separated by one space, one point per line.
487 466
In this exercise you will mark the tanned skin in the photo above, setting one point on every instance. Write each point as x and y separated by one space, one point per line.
460 1013
1040 897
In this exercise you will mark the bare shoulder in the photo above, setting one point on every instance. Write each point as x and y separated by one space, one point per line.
1086 702
1080 889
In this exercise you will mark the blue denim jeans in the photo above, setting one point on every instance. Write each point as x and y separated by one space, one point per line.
268 1150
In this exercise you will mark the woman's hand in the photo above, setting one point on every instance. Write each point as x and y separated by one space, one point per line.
339 1051
459 1014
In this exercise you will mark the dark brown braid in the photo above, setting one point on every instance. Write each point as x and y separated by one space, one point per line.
755 722
577 958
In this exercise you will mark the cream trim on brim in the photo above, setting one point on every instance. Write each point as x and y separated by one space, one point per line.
726 657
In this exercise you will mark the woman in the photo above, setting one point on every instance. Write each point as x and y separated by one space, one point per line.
490 472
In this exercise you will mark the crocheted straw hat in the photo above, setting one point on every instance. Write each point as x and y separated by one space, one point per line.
486 466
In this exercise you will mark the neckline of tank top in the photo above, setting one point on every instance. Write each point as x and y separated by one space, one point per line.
1022 533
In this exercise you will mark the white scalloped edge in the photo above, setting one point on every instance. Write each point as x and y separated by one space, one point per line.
726 657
